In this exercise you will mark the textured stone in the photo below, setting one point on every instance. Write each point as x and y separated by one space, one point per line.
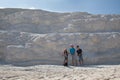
39 37
98 48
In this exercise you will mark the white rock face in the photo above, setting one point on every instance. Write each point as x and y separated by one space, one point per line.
39 37
98 48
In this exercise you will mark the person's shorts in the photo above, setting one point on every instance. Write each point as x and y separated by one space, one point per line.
66 57
80 58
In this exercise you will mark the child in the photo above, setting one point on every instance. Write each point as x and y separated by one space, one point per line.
65 54
73 54
79 52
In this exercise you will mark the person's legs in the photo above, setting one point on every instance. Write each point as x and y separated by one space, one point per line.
66 61
73 60
65 64
80 60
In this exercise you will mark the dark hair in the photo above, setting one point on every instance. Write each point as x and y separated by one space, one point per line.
77 46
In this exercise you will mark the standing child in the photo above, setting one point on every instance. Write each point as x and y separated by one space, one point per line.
65 53
72 52
79 53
